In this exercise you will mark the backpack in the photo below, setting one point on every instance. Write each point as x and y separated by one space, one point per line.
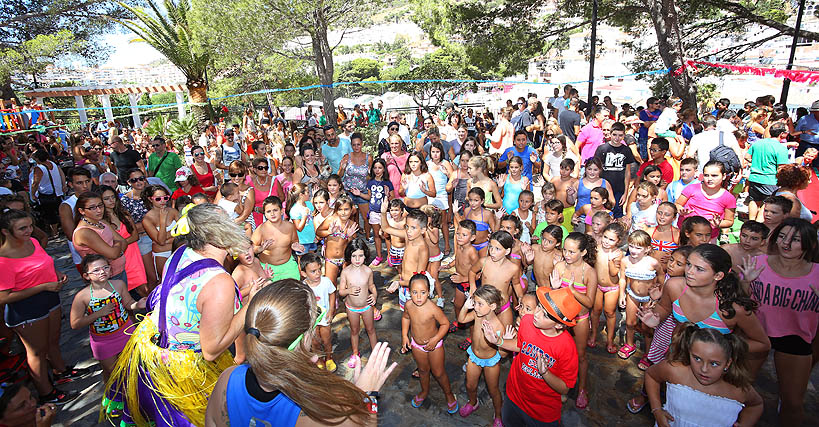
726 155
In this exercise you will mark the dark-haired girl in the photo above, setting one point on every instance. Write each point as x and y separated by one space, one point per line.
708 382
577 273
709 199
122 223
496 269
356 285
158 223
695 231
416 183
93 234
485 221
711 297
790 321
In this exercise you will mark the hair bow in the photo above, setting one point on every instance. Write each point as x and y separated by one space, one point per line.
182 226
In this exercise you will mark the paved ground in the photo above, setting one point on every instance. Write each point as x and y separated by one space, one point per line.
611 380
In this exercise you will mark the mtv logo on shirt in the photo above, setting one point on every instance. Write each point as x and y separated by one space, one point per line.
614 161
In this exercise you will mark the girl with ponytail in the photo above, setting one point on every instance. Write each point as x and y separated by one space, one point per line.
708 382
281 381
577 273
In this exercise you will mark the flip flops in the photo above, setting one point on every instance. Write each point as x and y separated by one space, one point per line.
416 402
626 351
376 314
453 327
452 408
582 400
465 344
611 348
635 408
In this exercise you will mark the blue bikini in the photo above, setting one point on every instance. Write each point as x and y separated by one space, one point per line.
480 226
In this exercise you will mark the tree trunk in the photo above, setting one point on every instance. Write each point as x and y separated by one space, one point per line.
198 92
664 16
323 58
6 92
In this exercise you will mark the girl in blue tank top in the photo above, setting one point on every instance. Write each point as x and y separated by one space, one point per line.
279 382
514 184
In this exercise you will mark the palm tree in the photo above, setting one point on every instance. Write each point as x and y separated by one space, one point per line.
171 34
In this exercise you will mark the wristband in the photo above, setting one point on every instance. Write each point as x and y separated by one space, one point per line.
372 404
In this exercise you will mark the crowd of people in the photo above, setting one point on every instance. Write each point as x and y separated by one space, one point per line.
245 244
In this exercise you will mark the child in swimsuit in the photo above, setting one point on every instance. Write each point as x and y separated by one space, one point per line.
608 283
483 357
639 275
577 273
600 220
499 271
598 202
337 230
101 307
511 224
545 255
664 237
158 223
395 245
526 215
479 178
554 216
484 221
432 237
465 257
275 240
429 327
356 285
325 293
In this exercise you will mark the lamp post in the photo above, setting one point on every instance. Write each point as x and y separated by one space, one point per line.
592 50
786 84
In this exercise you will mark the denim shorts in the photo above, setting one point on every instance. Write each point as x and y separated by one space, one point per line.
358 200
308 247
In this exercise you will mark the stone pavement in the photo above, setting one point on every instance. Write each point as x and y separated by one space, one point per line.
611 380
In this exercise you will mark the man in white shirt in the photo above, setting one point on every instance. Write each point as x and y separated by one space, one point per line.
402 129
705 141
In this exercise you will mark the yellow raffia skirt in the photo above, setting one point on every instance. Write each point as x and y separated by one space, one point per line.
168 387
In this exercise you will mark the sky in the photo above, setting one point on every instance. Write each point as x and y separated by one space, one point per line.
126 54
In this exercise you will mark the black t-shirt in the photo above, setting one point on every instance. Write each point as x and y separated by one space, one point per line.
567 121
615 160
124 162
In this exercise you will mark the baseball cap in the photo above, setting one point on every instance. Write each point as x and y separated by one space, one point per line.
182 174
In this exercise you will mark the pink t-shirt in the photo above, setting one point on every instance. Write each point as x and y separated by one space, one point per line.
28 272
787 305
395 167
706 206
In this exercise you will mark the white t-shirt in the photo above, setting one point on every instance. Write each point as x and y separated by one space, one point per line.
322 292
554 162
706 141
667 119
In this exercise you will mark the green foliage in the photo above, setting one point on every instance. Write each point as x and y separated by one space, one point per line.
31 57
180 128
170 34
157 126
447 63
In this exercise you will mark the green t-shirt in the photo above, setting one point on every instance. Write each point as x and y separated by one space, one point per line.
323 121
374 115
166 169
540 227
766 154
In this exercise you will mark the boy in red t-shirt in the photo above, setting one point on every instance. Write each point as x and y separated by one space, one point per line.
546 364
657 151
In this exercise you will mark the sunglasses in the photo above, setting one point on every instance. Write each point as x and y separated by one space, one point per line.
137 179
236 175
260 168
198 154
320 316
155 145
161 198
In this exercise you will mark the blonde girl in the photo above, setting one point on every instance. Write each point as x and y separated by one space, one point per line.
158 223
665 238
337 231
577 273
478 170
609 256
600 220
639 274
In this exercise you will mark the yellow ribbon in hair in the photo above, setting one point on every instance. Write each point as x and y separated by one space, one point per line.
182 226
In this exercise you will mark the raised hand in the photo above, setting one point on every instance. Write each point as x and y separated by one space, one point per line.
750 268
648 317
554 279
655 291
489 333
542 364
469 304
510 333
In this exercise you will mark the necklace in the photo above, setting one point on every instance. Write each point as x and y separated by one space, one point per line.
99 225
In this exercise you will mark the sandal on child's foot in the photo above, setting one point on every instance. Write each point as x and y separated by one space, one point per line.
469 408
376 314
465 345
497 423
611 348
582 400
415 374
320 364
644 363
626 351
330 366
416 402
634 407
354 359
452 408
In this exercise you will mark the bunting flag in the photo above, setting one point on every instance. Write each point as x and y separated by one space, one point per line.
799 76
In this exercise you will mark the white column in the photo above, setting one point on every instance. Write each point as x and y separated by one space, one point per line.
106 105
39 100
133 98
180 101
81 108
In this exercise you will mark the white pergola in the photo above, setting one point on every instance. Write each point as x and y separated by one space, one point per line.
104 94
